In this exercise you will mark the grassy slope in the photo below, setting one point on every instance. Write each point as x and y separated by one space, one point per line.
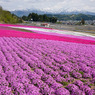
7 17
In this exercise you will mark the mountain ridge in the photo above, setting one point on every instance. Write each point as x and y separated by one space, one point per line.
26 12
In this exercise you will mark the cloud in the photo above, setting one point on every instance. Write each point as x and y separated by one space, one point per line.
92 0
49 5
6 0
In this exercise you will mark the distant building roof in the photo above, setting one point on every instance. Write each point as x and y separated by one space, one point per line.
45 24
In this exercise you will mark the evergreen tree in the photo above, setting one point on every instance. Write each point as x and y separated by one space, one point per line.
82 21
25 18
37 17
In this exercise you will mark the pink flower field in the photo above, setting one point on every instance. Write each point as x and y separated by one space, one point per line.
44 35
43 64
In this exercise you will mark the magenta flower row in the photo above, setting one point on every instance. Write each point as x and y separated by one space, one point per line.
49 36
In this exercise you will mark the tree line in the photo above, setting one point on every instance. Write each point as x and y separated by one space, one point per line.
42 18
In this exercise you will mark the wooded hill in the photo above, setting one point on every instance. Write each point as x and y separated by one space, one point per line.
7 17
72 16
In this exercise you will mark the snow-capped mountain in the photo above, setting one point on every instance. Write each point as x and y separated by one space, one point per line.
26 12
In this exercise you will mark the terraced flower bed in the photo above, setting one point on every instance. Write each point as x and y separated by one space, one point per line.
35 34
45 67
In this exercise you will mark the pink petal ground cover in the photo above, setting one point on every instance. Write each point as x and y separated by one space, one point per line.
14 33
45 67
49 33
63 35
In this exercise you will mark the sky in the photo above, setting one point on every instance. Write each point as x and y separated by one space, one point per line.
49 5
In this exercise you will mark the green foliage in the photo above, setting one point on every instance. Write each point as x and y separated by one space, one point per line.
83 80
72 16
53 19
25 18
90 85
7 17
81 72
33 16
42 18
64 83
82 21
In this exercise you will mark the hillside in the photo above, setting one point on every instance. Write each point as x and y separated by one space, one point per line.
72 16
7 17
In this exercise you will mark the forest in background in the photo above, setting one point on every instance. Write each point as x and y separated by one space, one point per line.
72 16
37 17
